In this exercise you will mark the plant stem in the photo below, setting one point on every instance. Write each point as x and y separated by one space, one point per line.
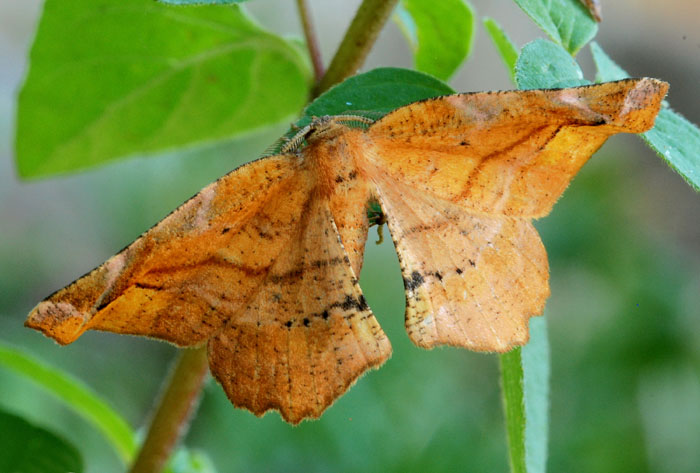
358 40
514 407
311 40
173 412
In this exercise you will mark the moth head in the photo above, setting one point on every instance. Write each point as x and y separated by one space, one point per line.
322 129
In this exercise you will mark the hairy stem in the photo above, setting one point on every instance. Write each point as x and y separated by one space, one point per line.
173 412
311 39
358 40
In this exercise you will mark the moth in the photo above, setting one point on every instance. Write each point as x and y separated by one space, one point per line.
263 264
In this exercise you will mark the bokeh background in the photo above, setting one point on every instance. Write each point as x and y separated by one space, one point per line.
624 316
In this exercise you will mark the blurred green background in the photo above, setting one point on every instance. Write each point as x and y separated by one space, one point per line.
624 316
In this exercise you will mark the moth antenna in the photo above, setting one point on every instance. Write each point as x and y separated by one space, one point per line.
293 143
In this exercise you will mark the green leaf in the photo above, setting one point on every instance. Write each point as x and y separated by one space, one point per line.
607 69
506 48
525 389
112 78
372 95
567 22
77 396
673 137
677 141
440 33
25 448
545 65
378 91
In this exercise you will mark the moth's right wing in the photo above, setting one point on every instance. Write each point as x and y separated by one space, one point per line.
513 152
460 177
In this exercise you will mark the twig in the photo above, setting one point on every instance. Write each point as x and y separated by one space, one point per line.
358 41
173 412
311 40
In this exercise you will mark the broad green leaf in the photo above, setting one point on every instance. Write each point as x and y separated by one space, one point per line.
26 448
673 137
514 408
201 2
535 362
506 48
567 22
525 389
77 396
112 78
440 33
545 65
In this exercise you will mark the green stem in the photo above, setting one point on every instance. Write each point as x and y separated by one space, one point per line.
514 407
311 40
358 41
174 410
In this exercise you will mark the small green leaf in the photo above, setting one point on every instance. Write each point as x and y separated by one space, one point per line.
201 2
378 91
567 22
77 396
607 69
440 33
525 389
112 78
673 137
545 65
506 48
25 448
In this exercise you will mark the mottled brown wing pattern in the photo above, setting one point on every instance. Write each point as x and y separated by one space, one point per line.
168 283
460 177
510 153
255 264
472 279
308 333
263 264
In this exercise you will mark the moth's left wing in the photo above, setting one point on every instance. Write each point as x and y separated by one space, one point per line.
308 333
183 278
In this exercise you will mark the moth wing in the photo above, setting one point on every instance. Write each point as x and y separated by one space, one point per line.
459 178
183 278
308 333
471 279
255 265
510 153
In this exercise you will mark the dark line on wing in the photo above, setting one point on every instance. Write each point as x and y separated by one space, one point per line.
476 171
